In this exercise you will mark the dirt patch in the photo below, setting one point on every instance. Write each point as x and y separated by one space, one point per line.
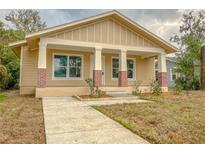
21 119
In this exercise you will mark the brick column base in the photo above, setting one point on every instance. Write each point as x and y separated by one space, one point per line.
162 79
41 78
97 77
122 81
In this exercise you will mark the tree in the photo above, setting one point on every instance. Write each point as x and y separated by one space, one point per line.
192 34
26 21
9 63
186 62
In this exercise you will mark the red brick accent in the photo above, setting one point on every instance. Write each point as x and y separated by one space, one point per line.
122 80
162 79
97 77
41 78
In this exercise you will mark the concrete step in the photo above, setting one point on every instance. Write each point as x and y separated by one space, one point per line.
116 92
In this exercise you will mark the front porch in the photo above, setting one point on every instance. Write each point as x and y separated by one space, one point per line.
112 68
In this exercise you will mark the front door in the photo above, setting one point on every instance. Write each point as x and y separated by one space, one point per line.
92 67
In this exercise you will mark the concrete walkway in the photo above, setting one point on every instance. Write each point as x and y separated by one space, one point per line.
71 121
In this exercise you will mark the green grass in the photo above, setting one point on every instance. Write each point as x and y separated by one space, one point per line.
2 97
169 118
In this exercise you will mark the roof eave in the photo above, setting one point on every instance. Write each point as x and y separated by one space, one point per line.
17 43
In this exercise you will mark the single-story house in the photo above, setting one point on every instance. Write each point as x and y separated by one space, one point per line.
109 48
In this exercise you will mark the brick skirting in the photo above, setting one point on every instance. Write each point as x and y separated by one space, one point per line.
122 81
41 78
162 78
97 77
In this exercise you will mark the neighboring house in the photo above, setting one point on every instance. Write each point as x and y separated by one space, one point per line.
172 75
109 48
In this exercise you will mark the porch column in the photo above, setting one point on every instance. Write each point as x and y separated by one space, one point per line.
41 73
97 72
162 70
122 78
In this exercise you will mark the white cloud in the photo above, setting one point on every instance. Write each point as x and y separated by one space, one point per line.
163 23
3 14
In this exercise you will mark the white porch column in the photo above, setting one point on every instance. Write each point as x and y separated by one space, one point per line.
97 72
41 74
162 70
123 81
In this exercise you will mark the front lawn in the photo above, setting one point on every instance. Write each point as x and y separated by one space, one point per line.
21 119
169 118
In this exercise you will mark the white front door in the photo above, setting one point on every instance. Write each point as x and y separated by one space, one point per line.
92 67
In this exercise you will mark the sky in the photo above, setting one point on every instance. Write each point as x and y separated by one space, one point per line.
163 23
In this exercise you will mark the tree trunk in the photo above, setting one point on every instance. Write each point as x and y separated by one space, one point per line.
203 67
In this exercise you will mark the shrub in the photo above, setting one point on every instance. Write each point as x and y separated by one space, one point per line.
178 89
136 91
3 72
192 83
3 76
9 60
95 92
155 88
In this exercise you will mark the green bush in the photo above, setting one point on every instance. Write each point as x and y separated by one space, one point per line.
155 88
3 72
177 89
95 92
9 60
186 83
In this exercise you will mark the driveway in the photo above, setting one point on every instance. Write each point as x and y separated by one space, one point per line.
71 121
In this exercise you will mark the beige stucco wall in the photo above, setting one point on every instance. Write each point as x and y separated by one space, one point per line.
28 70
108 31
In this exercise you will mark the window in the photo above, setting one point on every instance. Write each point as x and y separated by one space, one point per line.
130 68
115 67
156 69
74 66
67 66
60 66
173 74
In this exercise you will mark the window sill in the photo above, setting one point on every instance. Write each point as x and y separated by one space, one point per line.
67 78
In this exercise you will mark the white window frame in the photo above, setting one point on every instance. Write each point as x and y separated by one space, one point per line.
134 69
68 68
177 74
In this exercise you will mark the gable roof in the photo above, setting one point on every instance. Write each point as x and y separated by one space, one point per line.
169 48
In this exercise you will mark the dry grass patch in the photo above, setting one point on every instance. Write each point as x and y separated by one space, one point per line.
169 119
21 119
